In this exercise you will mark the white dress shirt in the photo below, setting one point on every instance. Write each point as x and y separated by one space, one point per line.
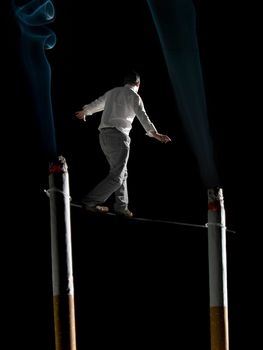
120 105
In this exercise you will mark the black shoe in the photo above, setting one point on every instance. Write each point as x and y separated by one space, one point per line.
125 213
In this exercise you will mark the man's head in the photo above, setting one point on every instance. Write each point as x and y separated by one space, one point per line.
132 78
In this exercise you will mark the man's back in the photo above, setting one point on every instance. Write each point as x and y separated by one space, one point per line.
119 109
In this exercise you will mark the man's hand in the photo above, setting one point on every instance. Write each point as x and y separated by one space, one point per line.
80 115
160 137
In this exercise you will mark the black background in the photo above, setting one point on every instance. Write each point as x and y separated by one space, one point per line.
95 45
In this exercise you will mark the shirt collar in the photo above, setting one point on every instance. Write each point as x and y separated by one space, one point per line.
134 88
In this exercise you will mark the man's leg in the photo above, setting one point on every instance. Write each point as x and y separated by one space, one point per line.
116 147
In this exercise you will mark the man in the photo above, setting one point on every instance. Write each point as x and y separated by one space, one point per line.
120 105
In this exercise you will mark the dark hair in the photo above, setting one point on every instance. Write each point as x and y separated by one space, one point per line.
132 77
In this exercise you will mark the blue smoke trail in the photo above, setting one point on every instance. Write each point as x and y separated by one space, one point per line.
175 22
36 37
